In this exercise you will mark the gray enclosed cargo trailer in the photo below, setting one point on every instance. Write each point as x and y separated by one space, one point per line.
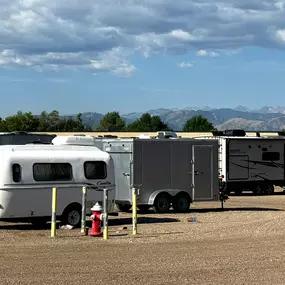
166 172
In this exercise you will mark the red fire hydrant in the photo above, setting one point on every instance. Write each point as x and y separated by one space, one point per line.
96 217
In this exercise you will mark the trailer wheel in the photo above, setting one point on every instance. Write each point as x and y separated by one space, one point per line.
270 190
162 203
123 207
259 190
72 215
181 203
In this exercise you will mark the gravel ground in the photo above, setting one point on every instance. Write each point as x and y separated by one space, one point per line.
240 245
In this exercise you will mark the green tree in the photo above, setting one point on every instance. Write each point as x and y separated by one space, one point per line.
198 124
26 122
147 123
111 122
2 125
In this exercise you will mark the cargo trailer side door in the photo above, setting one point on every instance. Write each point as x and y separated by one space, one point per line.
202 172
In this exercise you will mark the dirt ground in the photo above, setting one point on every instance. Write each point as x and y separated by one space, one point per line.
242 244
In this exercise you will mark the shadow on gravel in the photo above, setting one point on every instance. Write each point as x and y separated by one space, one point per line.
111 222
209 210
251 209
250 194
141 220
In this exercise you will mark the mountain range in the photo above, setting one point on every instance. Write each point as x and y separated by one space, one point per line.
266 118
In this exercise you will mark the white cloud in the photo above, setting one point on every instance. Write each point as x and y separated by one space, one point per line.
280 34
100 36
203 52
184 64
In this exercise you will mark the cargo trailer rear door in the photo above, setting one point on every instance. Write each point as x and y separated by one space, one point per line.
202 172
122 156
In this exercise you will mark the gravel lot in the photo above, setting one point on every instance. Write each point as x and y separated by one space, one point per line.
240 245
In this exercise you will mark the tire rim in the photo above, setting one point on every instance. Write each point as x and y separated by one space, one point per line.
183 203
163 203
73 218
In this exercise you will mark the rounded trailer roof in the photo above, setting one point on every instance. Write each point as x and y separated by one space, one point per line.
59 151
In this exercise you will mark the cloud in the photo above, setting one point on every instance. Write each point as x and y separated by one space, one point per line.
203 52
101 36
184 64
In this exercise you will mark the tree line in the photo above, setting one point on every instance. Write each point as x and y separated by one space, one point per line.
111 122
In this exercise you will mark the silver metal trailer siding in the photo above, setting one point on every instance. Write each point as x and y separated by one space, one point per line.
164 168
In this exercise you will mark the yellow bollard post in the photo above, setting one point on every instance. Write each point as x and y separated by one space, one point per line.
134 207
53 217
105 214
83 214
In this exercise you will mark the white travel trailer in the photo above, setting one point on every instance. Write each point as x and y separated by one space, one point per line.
250 163
29 172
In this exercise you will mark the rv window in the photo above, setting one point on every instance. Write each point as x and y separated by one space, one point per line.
16 170
52 171
270 156
95 169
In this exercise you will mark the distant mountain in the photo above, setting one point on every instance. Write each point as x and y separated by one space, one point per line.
275 124
264 119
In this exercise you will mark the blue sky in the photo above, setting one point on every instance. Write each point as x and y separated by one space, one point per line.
102 56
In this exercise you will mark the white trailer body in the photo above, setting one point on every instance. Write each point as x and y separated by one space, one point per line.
167 172
29 172
251 163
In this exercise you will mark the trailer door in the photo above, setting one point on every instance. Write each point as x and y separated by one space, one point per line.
122 157
202 172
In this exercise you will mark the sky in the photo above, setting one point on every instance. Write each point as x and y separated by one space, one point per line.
137 55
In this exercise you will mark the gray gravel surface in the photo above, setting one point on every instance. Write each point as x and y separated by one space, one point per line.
241 245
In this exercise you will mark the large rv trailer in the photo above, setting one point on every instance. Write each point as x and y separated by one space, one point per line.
20 138
250 163
167 172
29 172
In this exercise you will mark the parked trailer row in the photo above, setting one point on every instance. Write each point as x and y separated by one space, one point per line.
167 173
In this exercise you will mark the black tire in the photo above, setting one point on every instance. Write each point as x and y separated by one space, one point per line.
123 207
162 203
181 203
259 190
72 215
270 190
144 208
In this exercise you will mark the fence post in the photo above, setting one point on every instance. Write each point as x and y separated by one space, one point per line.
105 215
53 216
134 208
83 214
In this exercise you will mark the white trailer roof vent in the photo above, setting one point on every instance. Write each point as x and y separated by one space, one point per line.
74 140
144 136
166 134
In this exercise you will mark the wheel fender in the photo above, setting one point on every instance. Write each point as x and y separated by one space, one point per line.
70 206
171 192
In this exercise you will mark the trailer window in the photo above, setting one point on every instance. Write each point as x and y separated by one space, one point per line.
52 171
95 170
270 156
16 171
